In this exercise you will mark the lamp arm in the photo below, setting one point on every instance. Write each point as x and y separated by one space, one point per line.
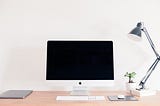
147 75
151 69
150 41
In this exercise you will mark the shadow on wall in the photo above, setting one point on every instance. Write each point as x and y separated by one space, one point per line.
25 68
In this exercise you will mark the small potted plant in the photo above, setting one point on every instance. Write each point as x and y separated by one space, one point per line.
130 85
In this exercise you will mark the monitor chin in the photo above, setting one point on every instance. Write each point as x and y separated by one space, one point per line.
80 85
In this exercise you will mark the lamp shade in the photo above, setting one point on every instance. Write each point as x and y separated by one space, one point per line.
135 34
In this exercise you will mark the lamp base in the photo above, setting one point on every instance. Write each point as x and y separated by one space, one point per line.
143 92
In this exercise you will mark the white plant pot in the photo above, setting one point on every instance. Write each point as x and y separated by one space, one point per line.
130 86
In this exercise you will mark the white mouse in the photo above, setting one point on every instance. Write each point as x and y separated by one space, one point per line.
121 96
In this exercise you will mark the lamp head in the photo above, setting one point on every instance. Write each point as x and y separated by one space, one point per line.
135 33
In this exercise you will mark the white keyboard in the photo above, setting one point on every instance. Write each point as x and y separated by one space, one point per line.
80 98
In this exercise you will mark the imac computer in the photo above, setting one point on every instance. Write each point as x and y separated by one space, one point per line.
81 64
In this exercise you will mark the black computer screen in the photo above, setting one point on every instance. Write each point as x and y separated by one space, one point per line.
80 60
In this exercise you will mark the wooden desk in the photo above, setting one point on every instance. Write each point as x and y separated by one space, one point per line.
48 98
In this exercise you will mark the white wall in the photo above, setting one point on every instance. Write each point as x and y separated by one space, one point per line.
26 25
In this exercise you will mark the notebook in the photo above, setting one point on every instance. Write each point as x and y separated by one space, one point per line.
15 94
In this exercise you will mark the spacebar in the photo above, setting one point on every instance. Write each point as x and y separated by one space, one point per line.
80 98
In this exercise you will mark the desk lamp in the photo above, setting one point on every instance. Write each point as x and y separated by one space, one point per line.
136 35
